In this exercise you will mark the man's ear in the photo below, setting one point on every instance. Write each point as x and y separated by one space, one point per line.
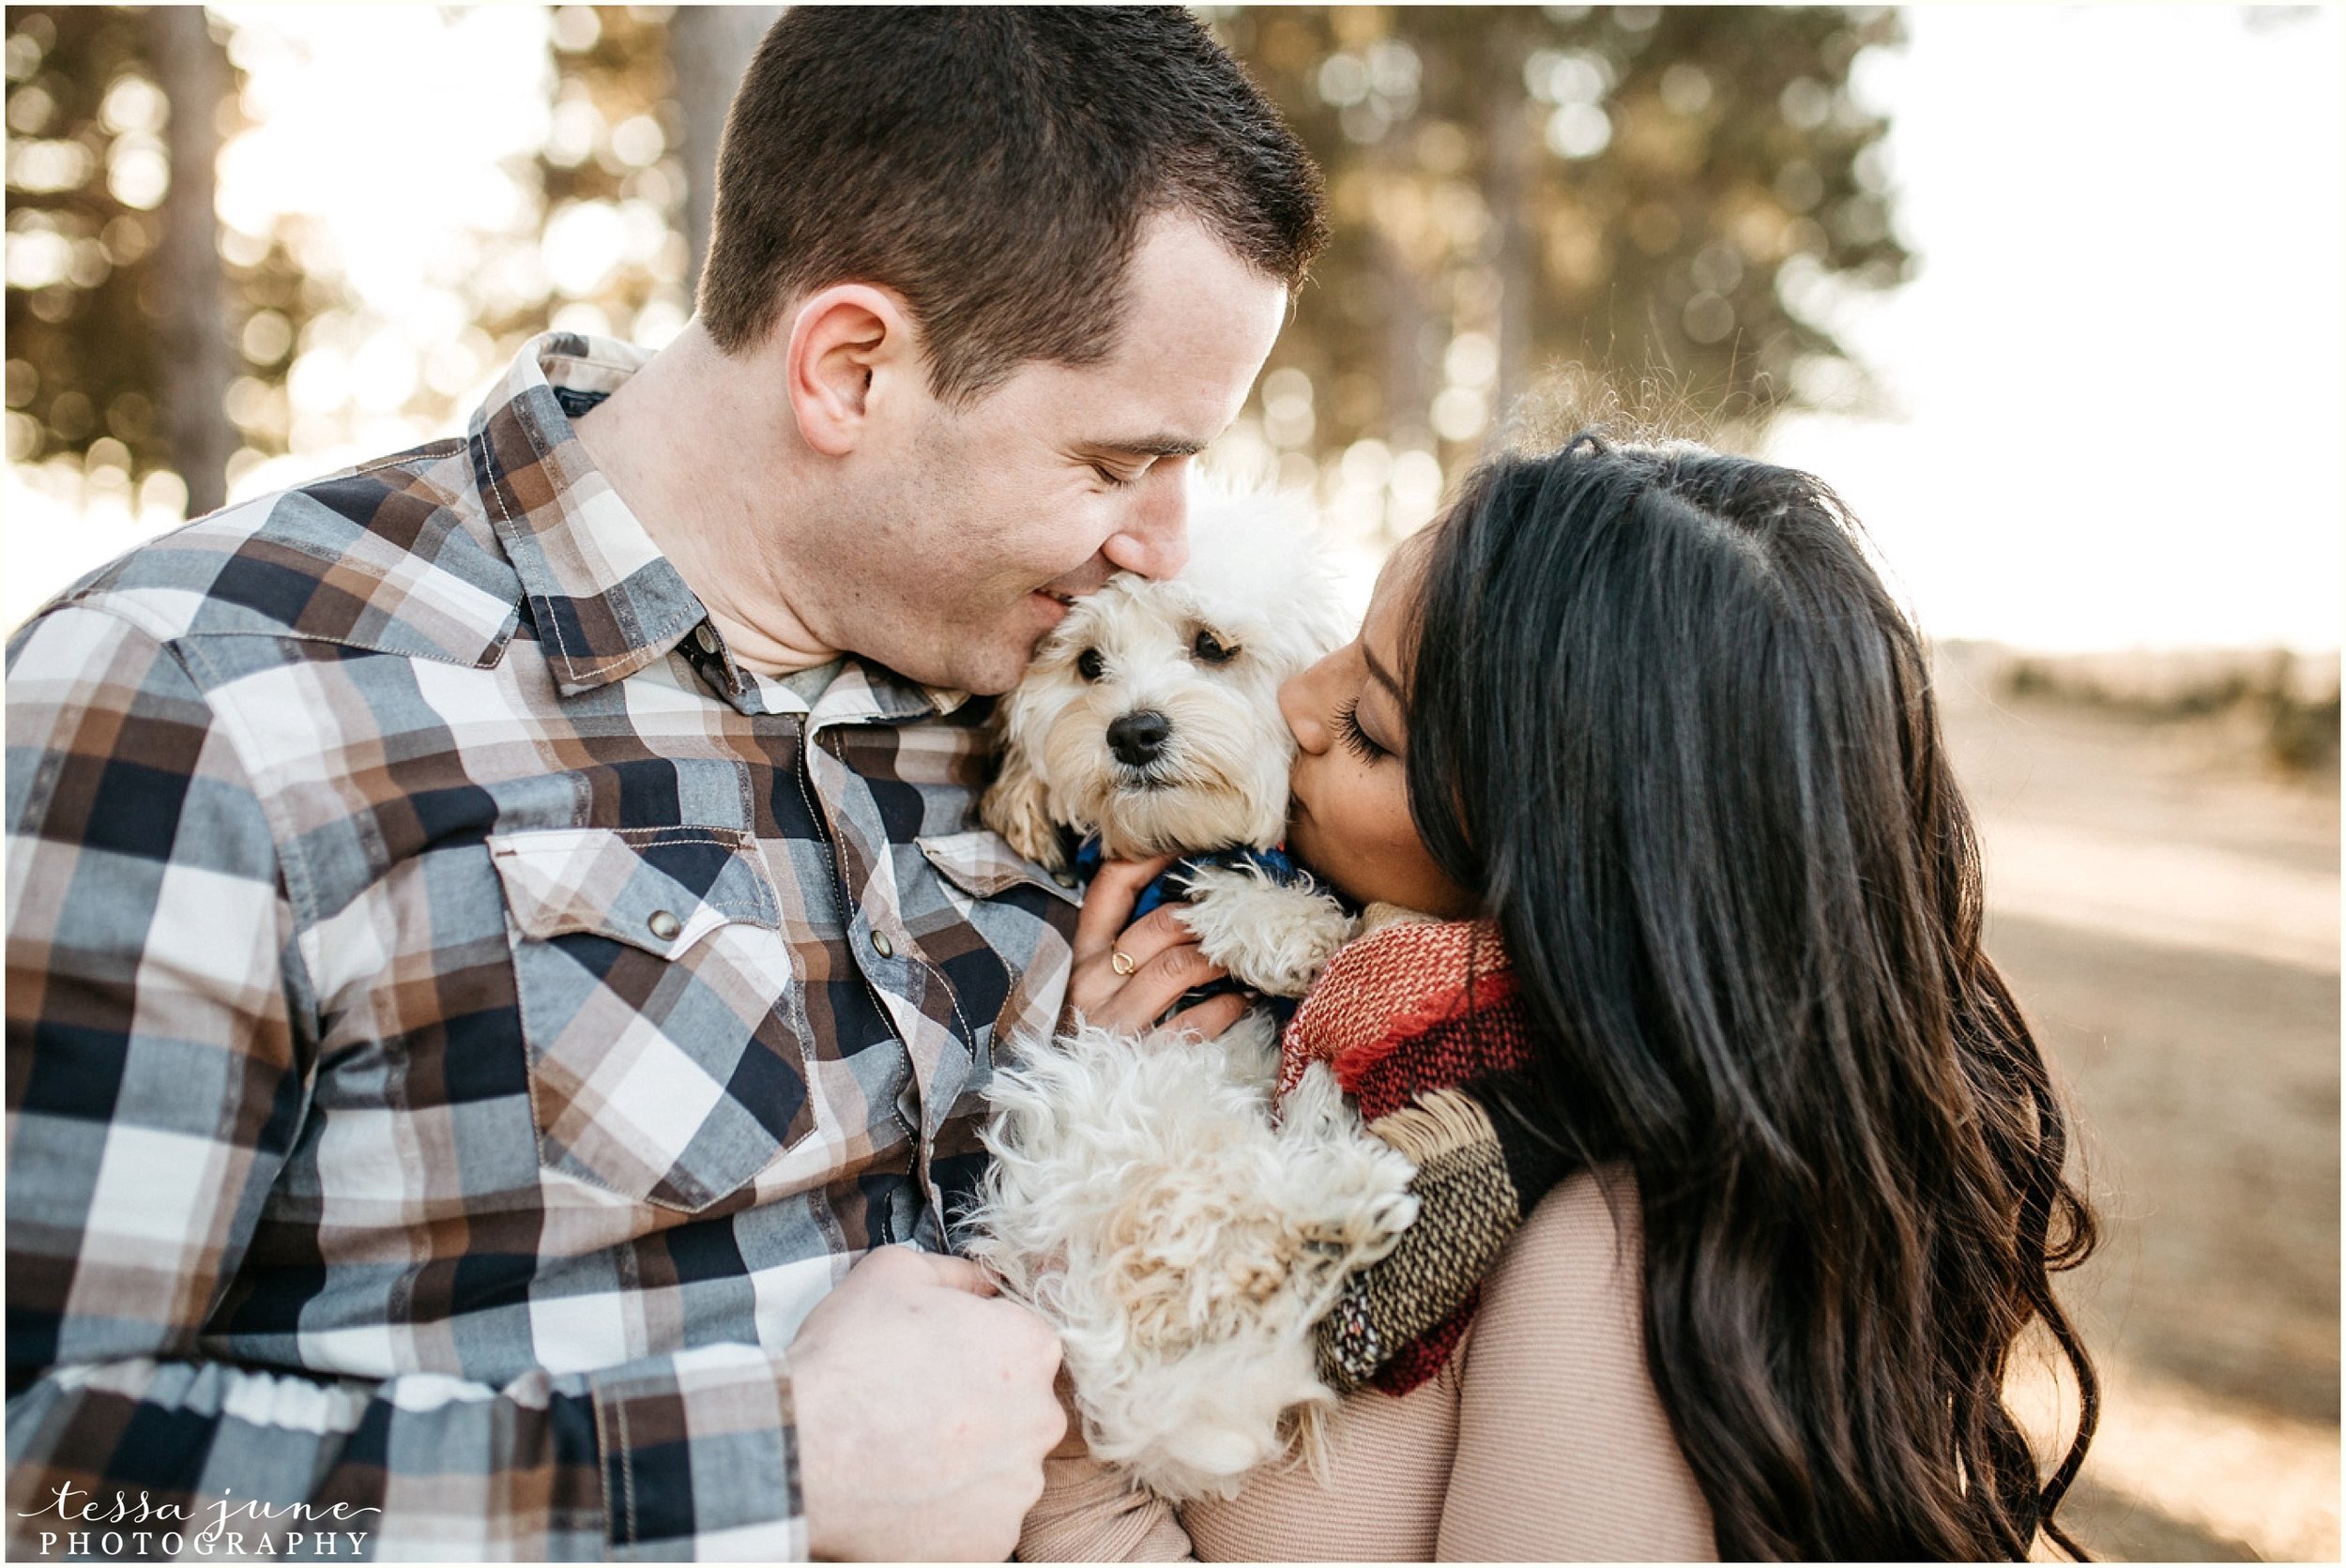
842 340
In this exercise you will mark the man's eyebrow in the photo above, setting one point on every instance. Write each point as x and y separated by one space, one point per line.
1151 445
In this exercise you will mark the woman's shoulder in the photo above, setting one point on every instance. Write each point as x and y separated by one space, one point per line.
1590 1215
1556 1366
1570 1283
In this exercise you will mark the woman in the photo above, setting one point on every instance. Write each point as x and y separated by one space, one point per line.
1649 711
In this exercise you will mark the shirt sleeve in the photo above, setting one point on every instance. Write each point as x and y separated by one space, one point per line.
161 1051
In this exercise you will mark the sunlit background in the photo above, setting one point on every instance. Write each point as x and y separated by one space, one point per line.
2051 296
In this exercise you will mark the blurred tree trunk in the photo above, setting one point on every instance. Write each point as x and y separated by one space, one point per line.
1717 157
708 47
1514 139
196 359
1409 393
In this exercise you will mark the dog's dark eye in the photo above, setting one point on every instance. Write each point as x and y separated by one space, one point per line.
1212 649
1090 665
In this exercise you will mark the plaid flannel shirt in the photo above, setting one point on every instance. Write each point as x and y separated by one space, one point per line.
459 1021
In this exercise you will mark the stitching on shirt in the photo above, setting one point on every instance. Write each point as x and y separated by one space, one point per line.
486 660
952 997
747 800
1005 872
435 450
820 811
611 663
627 1473
728 838
968 899
736 842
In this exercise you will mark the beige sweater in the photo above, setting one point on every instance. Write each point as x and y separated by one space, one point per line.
1540 1440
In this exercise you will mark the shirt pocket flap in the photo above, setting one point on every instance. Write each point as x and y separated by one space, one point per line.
658 889
982 864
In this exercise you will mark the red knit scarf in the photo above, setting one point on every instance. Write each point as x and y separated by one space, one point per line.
1420 1005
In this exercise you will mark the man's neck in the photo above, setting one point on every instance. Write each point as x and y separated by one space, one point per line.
676 442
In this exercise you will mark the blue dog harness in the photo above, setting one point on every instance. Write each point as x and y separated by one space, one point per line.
1173 883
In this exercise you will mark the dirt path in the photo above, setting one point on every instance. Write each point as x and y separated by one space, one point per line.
2168 912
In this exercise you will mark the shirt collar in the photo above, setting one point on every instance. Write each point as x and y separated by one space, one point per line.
605 600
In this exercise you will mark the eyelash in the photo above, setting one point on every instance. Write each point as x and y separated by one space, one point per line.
1355 738
1114 480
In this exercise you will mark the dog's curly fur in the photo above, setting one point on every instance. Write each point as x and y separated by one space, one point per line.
1144 1197
1143 1200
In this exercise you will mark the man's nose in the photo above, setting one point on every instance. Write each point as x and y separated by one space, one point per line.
1154 539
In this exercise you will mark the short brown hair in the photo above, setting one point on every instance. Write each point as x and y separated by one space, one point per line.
994 166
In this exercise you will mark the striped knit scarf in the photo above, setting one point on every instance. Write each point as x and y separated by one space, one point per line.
1405 1017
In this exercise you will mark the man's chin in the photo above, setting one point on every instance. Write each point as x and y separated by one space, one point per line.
988 666
989 686
988 673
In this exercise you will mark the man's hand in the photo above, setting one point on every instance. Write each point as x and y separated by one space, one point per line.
925 1408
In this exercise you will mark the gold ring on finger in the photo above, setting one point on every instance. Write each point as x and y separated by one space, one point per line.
1122 962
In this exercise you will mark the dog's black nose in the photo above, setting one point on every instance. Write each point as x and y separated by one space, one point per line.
1137 738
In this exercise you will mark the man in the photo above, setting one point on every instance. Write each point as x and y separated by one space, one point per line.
496 936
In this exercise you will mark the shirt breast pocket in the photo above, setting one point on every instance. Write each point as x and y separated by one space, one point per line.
664 1064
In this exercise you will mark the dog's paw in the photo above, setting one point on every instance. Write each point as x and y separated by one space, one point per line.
1271 937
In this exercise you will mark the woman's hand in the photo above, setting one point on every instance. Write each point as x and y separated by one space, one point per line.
1125 976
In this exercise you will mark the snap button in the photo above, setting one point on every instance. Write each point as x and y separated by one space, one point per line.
705 637
663 924
882 945
1064 879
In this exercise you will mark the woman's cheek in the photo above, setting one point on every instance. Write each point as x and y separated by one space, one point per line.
1316 832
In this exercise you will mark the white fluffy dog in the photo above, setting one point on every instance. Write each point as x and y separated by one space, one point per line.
1143 1196
1150 717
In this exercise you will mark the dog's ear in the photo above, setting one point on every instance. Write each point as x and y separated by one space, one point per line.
1015 806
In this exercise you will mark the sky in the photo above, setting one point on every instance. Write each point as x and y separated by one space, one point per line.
2112 411
2109 406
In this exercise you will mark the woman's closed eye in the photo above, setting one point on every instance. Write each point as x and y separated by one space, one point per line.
1355 738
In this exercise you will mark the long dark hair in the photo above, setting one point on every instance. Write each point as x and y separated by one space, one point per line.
1668 726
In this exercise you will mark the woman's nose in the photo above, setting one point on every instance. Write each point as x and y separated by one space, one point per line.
1304 715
